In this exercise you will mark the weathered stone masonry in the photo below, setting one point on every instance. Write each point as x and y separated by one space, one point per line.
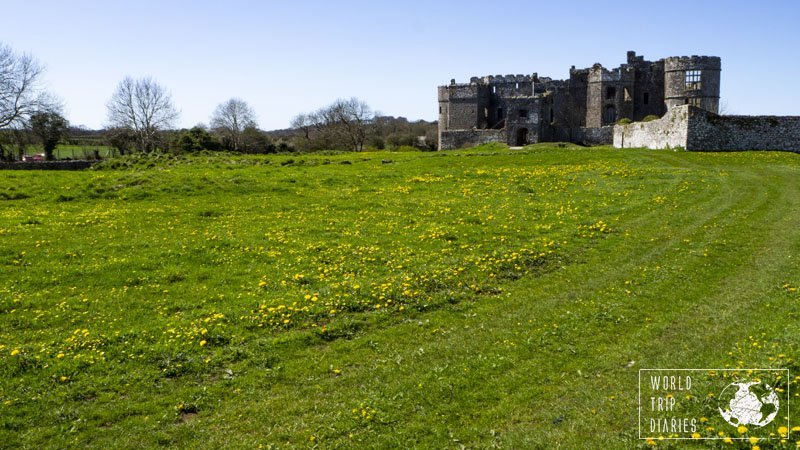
693 128
523 109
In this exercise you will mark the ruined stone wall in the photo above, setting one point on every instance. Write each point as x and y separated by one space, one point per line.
670 131
734 133
648 98
522 121
462 106
696 129
453 139
593 136
705 94
48 165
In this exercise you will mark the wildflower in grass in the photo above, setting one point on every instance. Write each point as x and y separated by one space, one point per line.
15 352
202 343
728 440
742 429
695 435
753 440
783 431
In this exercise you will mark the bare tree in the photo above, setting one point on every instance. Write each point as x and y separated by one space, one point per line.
355 118
20 92
231 118
344 124
144 107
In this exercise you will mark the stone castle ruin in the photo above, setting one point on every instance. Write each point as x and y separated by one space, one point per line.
672 102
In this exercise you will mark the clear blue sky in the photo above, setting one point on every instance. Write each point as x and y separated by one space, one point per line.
287 57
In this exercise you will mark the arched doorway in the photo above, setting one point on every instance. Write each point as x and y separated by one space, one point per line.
522 137
610 115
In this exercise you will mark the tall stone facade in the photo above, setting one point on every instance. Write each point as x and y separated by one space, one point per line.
523 109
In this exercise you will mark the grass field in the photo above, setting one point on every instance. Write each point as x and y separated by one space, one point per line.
65 151
486 298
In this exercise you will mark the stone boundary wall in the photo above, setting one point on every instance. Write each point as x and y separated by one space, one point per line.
670 131
453 139
736 133
594 136
696 129
47 165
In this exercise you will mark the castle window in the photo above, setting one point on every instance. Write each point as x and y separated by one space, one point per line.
517 86
440 110
611 93
646 98
523 113
551 115
693 79
627 94
499 113
494 89
693 102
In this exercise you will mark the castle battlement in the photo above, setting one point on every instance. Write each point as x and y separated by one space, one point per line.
529 108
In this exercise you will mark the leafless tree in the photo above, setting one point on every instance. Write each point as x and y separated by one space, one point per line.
20 92
354 117
231 118
344 124
144 107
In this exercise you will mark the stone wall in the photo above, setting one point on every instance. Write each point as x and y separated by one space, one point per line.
47 165
670 131
733 133
594 136
449 140
696 129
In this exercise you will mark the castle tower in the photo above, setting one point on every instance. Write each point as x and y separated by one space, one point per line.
692 81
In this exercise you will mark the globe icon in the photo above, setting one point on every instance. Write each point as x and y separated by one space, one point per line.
748 403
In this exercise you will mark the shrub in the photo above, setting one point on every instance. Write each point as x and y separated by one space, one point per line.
650 118
624 121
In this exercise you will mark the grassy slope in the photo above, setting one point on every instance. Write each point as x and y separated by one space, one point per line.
521 284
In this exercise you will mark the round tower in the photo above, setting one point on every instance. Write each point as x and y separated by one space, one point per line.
692 81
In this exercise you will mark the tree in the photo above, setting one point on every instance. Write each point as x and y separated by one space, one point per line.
230 119
344 124
355 118
195 139
20 91
49 127
144 107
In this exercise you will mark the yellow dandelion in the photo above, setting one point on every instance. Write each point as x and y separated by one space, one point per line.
783 431
742 429
15 352
728 440
753 440
695 435
202 343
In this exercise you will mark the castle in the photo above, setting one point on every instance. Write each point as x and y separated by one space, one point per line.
523 109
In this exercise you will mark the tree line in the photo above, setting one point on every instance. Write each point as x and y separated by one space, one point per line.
141 117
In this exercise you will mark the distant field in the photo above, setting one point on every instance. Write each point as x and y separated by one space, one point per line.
64 151
484 298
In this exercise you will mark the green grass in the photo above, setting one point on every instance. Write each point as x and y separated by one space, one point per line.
65 151
480 298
